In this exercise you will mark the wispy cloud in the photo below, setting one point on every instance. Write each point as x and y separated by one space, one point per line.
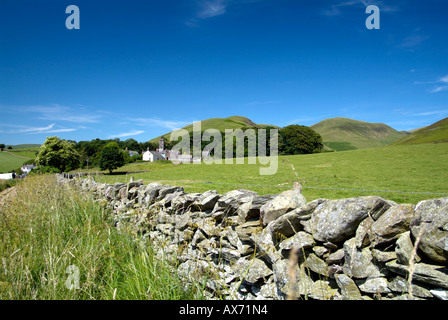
441 84
412 41
22 129
168 124
58 112
126 134
432 113
206 9
338 8
256 103
212 8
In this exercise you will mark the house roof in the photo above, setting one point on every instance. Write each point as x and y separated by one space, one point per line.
155 153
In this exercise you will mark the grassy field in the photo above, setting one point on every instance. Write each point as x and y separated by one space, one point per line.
51 236
11 161
405 174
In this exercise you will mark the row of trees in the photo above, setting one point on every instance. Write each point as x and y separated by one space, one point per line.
57 155
66 155
293 139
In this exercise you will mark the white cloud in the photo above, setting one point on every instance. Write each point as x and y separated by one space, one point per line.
412 41
336 9
17 129
442 84
58 112
431 113
212 8
169 124
126 134
439 89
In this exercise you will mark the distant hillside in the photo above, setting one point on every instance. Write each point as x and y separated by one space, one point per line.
234 122
342 134
25 146
435 133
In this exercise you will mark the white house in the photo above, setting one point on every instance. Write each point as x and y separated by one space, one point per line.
152 156
5 176
27 168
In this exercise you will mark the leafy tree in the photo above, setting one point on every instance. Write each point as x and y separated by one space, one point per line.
59 154
298 139
2 146
111 157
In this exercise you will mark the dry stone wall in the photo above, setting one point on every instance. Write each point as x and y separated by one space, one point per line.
242 245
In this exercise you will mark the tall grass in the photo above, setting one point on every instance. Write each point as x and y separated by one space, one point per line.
45 229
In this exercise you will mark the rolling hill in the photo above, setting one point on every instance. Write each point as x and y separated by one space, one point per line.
234 122
342 134
435 133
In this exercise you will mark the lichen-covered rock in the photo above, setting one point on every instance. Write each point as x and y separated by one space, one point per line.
299 242
349 289
359 263
281 204
337 220
430 225
427 273
391 224
404 248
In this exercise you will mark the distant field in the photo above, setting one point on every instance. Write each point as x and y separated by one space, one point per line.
405 174
10 161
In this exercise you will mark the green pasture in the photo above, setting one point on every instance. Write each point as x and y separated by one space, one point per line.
10 161
405 174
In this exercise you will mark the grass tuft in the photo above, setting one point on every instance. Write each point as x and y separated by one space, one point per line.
47 232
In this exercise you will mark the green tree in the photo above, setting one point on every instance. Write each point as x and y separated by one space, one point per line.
59 154
111 157
2 146
298 139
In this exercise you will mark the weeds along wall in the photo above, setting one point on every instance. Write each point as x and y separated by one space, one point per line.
241 245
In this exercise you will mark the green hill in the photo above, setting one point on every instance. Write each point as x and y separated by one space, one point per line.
25 146
342 134
234 122
435 133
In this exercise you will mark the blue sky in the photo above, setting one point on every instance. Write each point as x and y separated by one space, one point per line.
139 69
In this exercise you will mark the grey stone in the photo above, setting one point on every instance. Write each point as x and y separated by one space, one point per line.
400 285
231 200
336 257
359 262
322 290
391 224
430 225
316 264
290 223
206 201
373 285
431 274
349 289
252 270
404 248
440 294
251 210
281 204
337 220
